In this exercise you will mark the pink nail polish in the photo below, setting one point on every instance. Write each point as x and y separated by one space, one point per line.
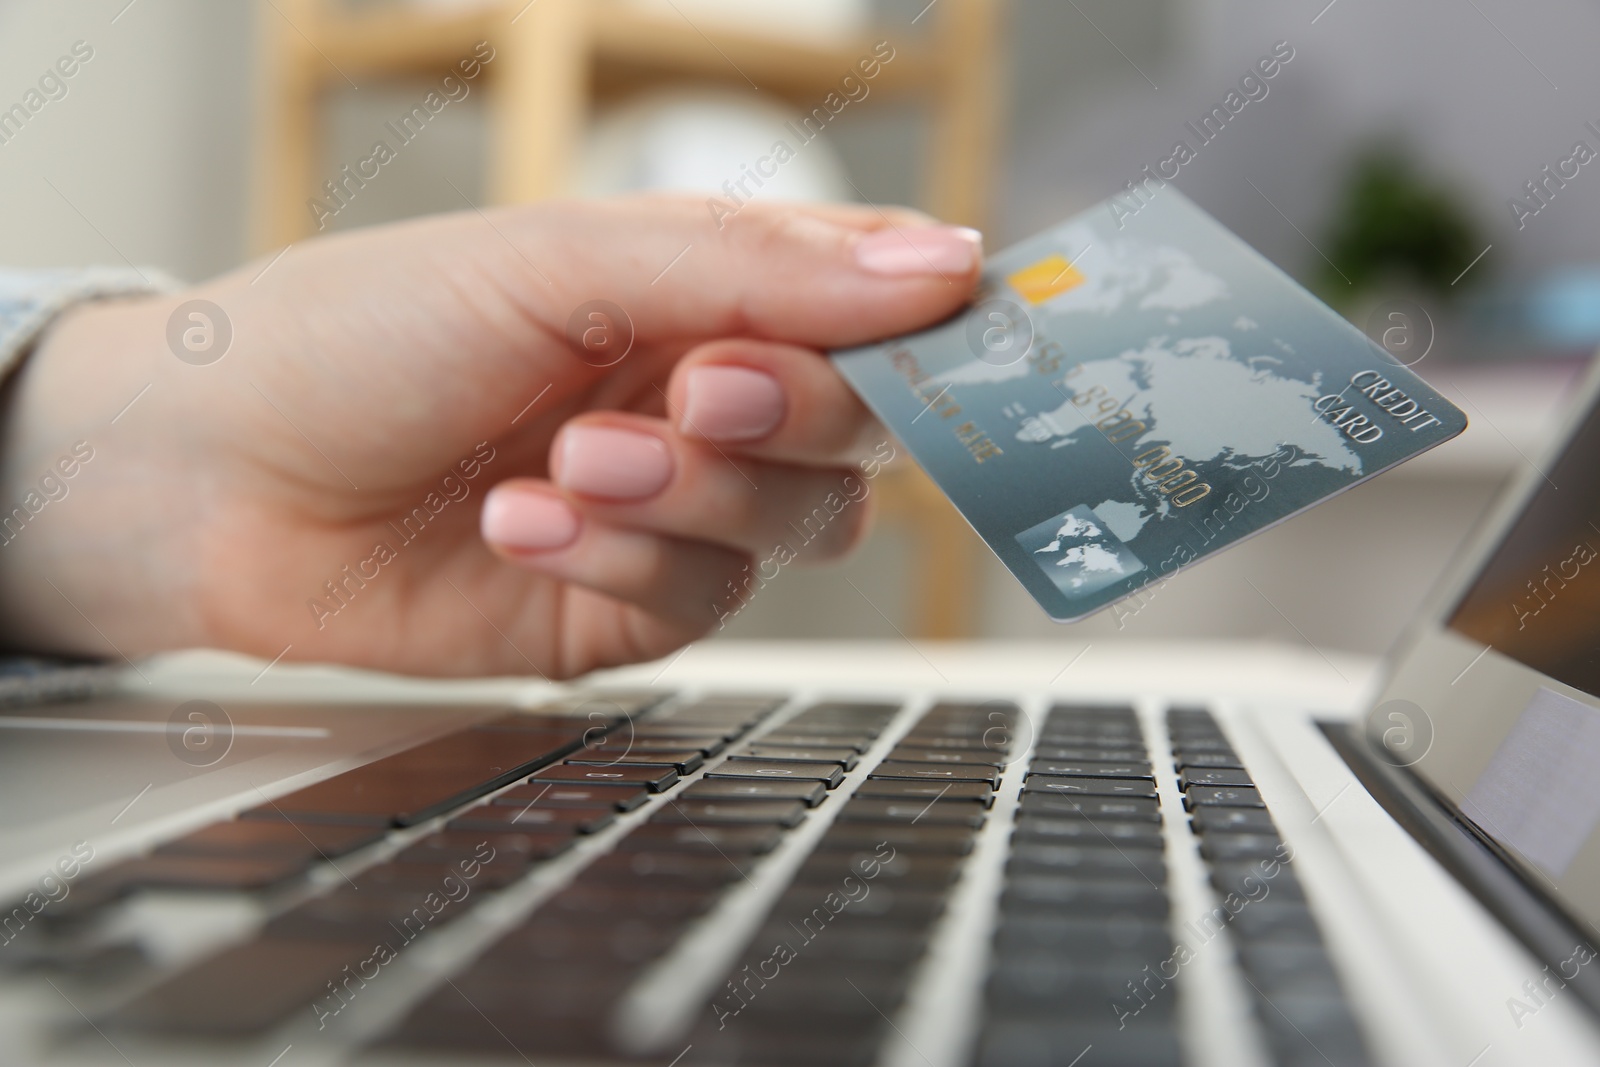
727 403
922 250
614 464
528 520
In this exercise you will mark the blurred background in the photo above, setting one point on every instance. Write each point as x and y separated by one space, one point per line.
1412 158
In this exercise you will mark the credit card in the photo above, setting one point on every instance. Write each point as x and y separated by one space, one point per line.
1132 392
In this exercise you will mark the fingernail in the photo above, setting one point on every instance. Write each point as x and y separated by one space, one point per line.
531 521
925 250
726 403
615 464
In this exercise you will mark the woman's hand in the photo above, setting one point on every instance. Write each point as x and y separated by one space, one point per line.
431 448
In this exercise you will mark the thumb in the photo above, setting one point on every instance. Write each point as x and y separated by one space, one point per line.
819 276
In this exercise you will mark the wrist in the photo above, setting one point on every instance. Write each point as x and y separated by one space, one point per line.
78 550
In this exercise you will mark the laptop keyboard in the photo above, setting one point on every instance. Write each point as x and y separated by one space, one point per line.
733 880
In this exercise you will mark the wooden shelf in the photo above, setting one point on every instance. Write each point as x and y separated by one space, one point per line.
410 40
639 38
391 41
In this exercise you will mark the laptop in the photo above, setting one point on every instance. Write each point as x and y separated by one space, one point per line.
800 864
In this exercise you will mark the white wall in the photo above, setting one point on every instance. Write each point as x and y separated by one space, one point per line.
1438 76
147 149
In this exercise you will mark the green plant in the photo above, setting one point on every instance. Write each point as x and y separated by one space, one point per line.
1395 224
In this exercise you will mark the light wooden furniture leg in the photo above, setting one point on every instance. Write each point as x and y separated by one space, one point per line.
961 151
967 112
541 77
287 129
943 554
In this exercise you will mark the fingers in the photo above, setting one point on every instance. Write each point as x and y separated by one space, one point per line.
632 470
527 522
682 270
770 401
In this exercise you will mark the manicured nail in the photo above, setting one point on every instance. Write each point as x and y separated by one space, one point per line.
528 520
924 250
725 403
615 464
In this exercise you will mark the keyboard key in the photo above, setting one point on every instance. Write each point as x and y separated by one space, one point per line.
652 778
1088 832
531 817
455 846
979 757
1309 1030
936 772
413 786
686 732
828 866
1276 921
829 727
1251 881
806 909
844 755
899 944
1292 969
244 989
959 743
847 711
808 793
1101 755
366 918
271 840
1083 769
1067 712
1212 776
1121 860
1228 848
479 1019
551 795
592 901
1207 759
913 812
1077 938
785 813
1038 1043
1083 895
1049 986
1112 743
1232 820
829 774
183 872
910 789
417 879
1207 743
653 871
852 739
1127 730
729 840
1222 796
1100 787
953 840
1099 808
684 761
706 746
